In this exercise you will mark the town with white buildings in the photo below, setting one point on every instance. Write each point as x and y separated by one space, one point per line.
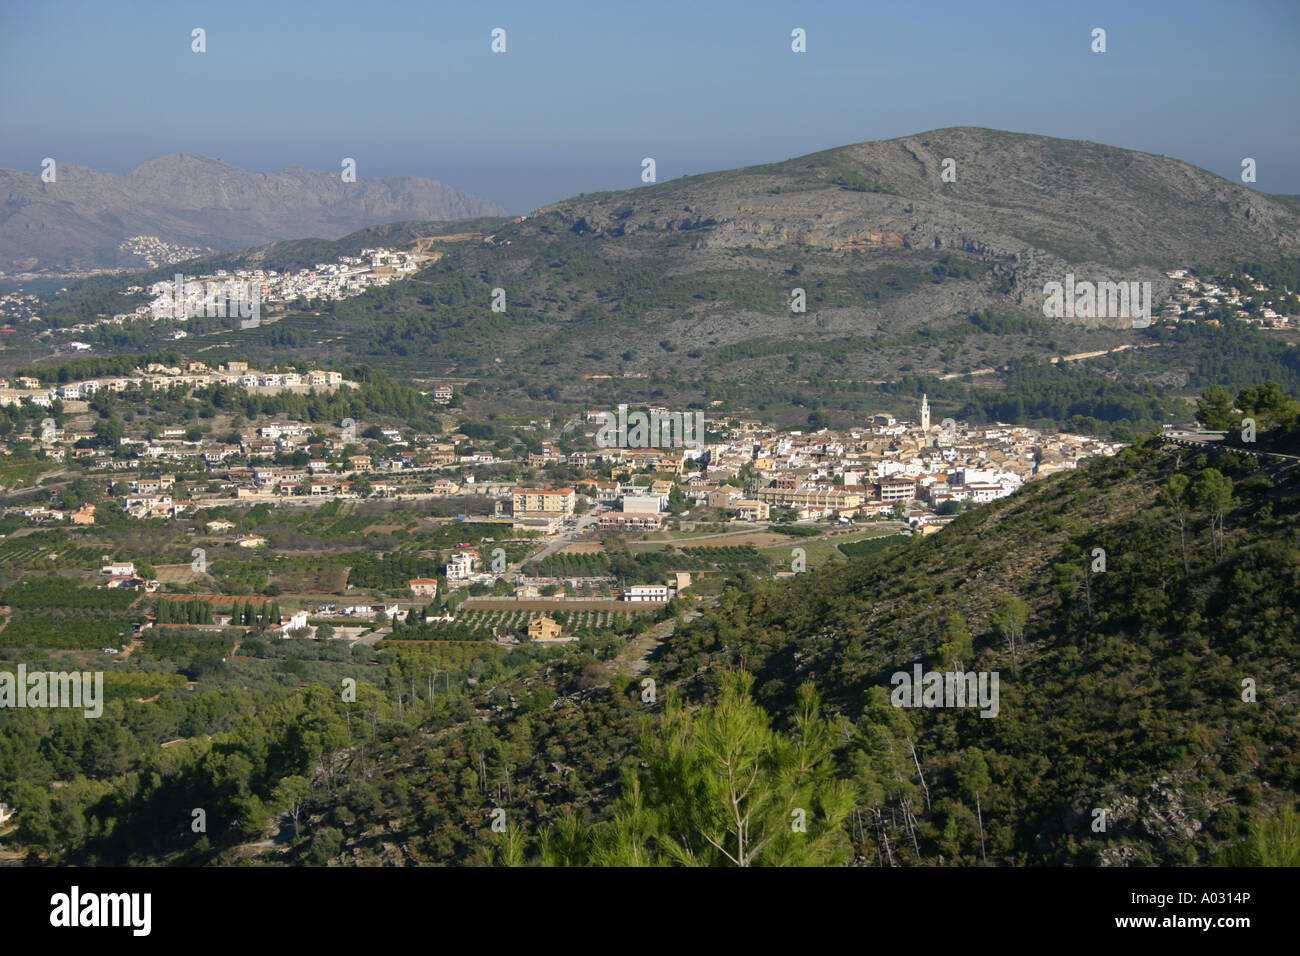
574 484
1242 298
917 470
348 276
219 293
27 390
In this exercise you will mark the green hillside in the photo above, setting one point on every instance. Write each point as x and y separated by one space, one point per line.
1126 689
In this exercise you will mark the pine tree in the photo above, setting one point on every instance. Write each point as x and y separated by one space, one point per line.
1009 618
1212 494
1274 841
1174 496
973 779
722 788
955 642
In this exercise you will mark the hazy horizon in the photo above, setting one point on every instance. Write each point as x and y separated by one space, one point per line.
578 99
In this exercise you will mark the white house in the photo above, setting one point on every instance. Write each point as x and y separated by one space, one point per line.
294 622
461 565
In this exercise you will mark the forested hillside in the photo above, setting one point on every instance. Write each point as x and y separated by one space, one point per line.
1128 608
1139 613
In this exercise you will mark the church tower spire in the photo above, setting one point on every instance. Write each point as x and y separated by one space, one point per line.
925 414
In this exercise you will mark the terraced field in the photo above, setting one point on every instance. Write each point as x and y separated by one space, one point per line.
479 623
42 549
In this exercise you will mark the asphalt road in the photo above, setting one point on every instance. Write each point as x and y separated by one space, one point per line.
1194 438
585 523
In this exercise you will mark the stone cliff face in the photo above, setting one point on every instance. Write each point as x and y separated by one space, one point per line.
80 220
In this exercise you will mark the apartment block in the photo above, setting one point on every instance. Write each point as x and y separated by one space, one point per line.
544 501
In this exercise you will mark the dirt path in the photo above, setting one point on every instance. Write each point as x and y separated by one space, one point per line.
635 657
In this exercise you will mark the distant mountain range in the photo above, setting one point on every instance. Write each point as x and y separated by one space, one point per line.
85 219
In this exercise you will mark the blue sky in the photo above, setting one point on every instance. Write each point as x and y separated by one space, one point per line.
585 90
